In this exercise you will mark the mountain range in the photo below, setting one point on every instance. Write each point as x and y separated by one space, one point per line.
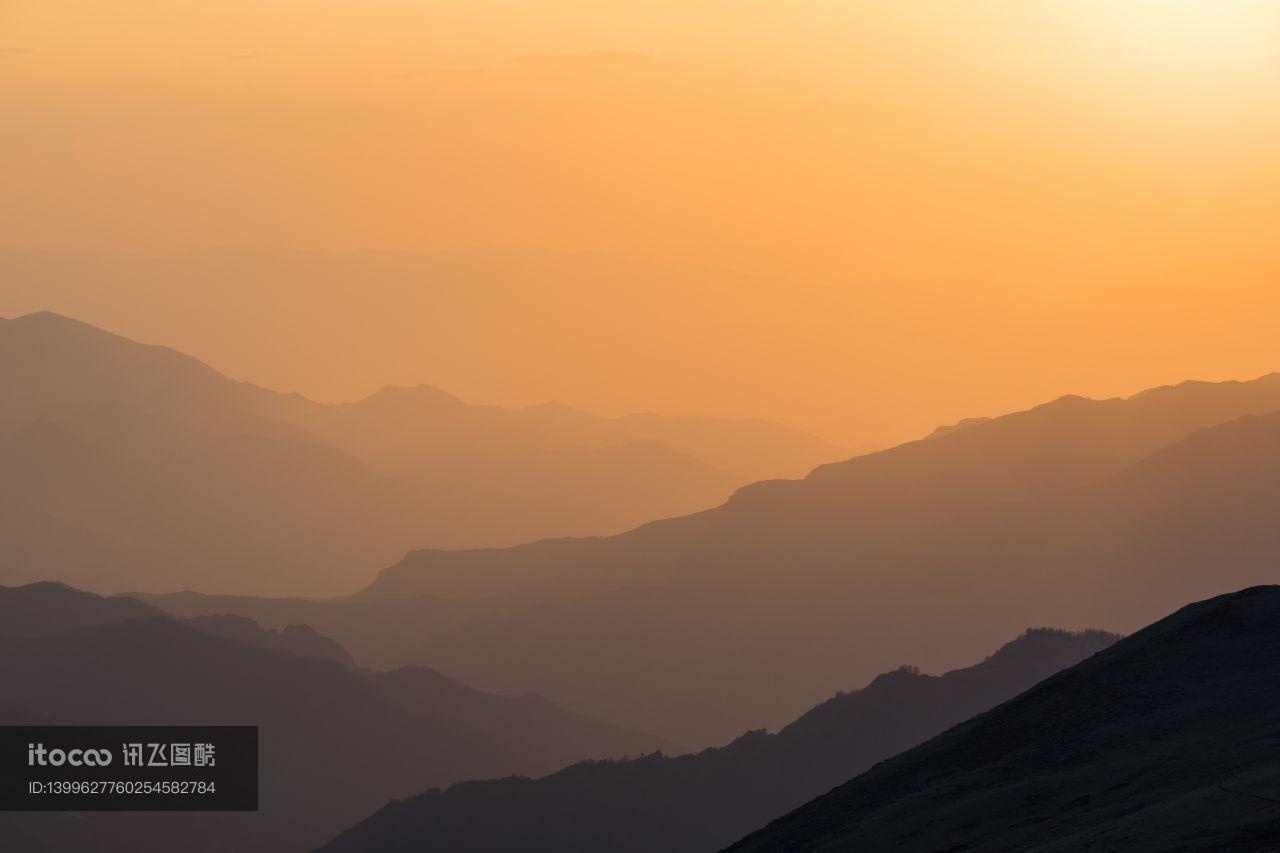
1166 741
699 803
136 467
132 467
337 740
1075 513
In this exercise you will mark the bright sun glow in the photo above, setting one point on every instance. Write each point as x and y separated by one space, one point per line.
1190 34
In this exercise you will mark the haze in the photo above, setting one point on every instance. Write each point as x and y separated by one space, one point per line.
865 219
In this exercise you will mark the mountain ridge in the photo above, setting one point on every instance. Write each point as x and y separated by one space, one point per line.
79 657
391 472
884 562
702 801
808 603
859 493
1162 741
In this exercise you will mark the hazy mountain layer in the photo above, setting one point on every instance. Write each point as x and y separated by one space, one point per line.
698 803
335 742
1075 513
133 466
843 509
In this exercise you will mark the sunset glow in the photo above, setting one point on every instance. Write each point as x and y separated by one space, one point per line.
1053 175
639 426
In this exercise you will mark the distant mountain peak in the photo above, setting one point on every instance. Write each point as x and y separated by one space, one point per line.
49 317
50 588
51 322
413 393
46 607
69 333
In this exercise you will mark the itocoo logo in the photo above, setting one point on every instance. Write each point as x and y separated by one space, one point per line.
38 755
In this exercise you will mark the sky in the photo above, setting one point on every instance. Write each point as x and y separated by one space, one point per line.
865 218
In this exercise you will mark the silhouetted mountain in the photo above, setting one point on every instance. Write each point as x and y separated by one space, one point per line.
299 640
383 735
164 672
48 607
1074 513
379 634
136 466
698 803
539 728
1068 443
1166 741
389 424
67 371
131 465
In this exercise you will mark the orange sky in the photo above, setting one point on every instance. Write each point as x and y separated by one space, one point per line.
861 217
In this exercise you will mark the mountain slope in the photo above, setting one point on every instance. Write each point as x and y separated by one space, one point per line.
384 735
50 608
163 672
1183 524
379 634
701 802
759 606
47 607
529 723
812 584
1166 741
135 466
58 368
857 504
167 474
165 504
299 640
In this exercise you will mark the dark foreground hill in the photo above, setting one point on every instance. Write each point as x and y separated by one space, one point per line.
701 802
336 742
1167 741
